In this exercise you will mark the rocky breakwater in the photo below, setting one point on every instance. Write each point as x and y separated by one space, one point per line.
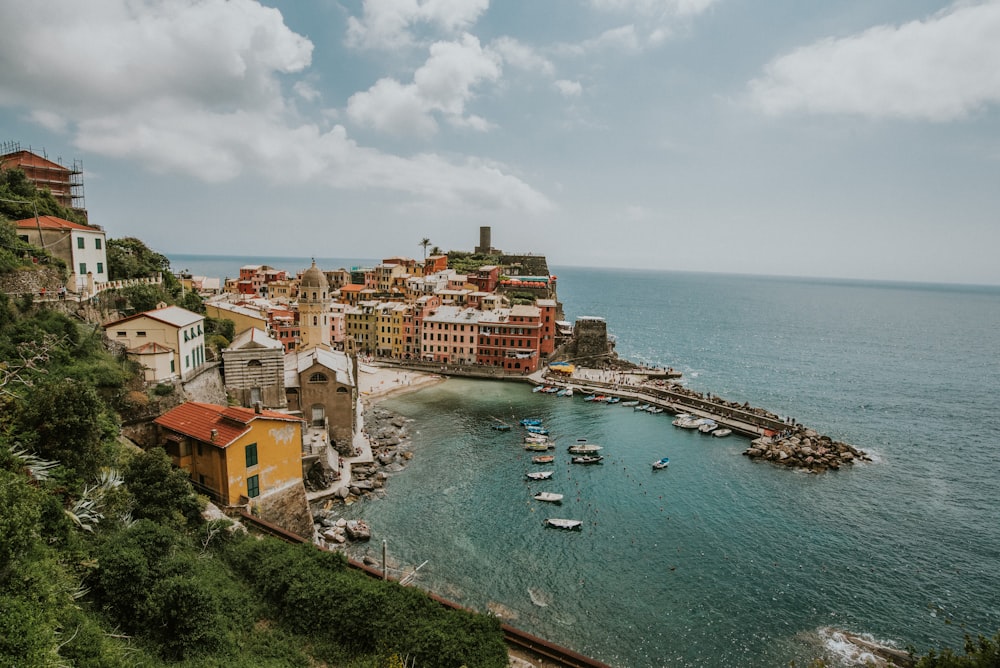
805 448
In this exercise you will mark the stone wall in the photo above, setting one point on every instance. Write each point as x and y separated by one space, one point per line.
288 509
31 281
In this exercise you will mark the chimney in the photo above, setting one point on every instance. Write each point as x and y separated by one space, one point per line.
214 434
256 407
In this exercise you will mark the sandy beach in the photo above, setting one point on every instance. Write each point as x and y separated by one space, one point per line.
376 383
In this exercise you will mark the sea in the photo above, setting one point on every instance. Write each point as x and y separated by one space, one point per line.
720 560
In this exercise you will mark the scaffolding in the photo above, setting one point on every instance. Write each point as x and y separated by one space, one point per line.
65 183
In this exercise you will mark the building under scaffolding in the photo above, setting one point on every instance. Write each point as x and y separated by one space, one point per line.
65 183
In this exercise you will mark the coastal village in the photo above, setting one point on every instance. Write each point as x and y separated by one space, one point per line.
276 424
279 426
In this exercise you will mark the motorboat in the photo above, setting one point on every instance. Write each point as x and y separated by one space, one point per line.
538 388
569 392
537 447
535 429
721 433
501 427
531 422
587 459
539 475
543 459
708 427
641 407
560 523
661 463
550 497
655 410
630 404
584 449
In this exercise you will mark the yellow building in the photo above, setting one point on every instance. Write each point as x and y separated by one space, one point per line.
233 454
243 317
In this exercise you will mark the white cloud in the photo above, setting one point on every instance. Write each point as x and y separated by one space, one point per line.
388 24
939 69
568 88
306 91
195 88
523 57
655 8
622 38
442 85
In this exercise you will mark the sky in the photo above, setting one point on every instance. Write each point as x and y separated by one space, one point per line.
849 139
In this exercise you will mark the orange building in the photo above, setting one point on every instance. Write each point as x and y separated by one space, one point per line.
234 454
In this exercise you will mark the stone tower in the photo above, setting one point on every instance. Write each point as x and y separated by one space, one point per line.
314 309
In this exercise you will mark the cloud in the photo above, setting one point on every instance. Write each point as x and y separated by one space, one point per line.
622 38
389 24
568 88
939 69
521 56
442 86
655 8
195 87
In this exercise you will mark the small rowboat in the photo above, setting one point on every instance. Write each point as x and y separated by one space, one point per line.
721 433
549 497
559 523
539 475
587 459
661 463
543 459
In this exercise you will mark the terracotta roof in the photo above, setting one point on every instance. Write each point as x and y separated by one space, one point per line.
197 420
352 287
53 223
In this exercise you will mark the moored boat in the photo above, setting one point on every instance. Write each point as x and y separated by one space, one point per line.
633 402
560 523
661 463
550 497
535 429
543 459
584 449
539 475
537 447
538 388
499 426
531 422
708 427
587 459
721 433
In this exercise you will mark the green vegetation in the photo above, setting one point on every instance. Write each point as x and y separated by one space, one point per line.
20 199
105 559
468 263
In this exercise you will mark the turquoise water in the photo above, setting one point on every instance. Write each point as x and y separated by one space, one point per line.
720 561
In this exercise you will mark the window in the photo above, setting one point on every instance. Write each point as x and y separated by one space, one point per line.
100 267
121 333
200 452
140 333
171 366
80 242
23 237
97 244
318 378
251 452
83 268
254 363
187 361
253 487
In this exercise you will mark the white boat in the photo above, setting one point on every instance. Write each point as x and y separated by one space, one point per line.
537 447
538 388
564 524
642 407
655 410
548 496
661 463
539 475
708 427
587 459
630 404
720 433
569 392
584 449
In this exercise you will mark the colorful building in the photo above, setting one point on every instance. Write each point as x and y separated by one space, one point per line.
234 454
173 327
83 248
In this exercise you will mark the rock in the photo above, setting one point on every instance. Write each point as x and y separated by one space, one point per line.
342 493
341 523
358 530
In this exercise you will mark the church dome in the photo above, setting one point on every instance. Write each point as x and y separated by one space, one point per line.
313 280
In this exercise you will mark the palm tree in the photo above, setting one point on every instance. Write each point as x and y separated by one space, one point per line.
425 242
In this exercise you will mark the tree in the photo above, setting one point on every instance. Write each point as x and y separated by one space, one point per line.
425 242
61 419
162 493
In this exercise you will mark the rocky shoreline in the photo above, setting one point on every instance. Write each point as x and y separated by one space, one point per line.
389 436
